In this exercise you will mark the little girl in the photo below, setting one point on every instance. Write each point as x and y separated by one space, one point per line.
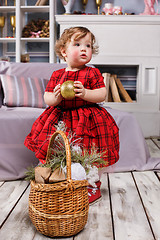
82 115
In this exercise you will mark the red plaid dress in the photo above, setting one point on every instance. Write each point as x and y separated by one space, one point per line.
90 122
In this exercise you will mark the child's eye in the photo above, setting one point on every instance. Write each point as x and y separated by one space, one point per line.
88 45
77 44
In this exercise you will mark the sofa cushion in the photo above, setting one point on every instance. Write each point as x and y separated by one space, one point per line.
23 91
43 70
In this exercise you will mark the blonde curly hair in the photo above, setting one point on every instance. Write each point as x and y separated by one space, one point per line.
66 37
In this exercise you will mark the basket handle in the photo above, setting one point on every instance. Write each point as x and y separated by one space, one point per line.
68 151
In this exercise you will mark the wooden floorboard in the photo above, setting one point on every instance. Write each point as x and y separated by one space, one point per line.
129 218
149 188
153 148
1 183
10 193
18 225
39 236
99 225
157 142
129 208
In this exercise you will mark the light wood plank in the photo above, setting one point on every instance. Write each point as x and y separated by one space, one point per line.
130 221
149 188
18 226
10 192
39 236
156 141
158 174
1 183
99 225
153 149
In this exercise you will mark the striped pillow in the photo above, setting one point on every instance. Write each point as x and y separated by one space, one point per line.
23 92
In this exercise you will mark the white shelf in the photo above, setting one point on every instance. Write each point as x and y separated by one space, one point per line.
7 9
35 39
20 11
5 40
35 8
110 19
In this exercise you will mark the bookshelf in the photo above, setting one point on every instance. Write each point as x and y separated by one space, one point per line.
21 10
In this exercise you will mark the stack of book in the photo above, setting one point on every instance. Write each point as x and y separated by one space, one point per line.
115 89
41 2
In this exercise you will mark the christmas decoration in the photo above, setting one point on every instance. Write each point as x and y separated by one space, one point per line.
36 28
45 30
82 161
67 90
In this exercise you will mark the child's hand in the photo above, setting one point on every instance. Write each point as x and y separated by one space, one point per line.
57 92
79 89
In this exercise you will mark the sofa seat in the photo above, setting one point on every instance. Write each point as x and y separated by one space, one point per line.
15 124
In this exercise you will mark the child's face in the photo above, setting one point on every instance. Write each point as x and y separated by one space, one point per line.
78 52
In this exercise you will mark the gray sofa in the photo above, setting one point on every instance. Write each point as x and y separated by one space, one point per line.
16 123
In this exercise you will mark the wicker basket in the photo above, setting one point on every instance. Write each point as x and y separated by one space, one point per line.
59 209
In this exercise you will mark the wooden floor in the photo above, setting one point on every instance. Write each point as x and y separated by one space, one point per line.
129 209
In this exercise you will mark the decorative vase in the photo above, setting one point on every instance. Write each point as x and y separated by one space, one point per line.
149 7
68 4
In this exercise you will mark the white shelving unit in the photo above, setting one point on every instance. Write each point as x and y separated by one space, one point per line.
20 10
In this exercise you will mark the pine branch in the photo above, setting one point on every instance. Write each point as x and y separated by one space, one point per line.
58 154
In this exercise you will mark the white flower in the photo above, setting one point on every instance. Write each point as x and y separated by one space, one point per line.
76 149
93 176
77 171
61 126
